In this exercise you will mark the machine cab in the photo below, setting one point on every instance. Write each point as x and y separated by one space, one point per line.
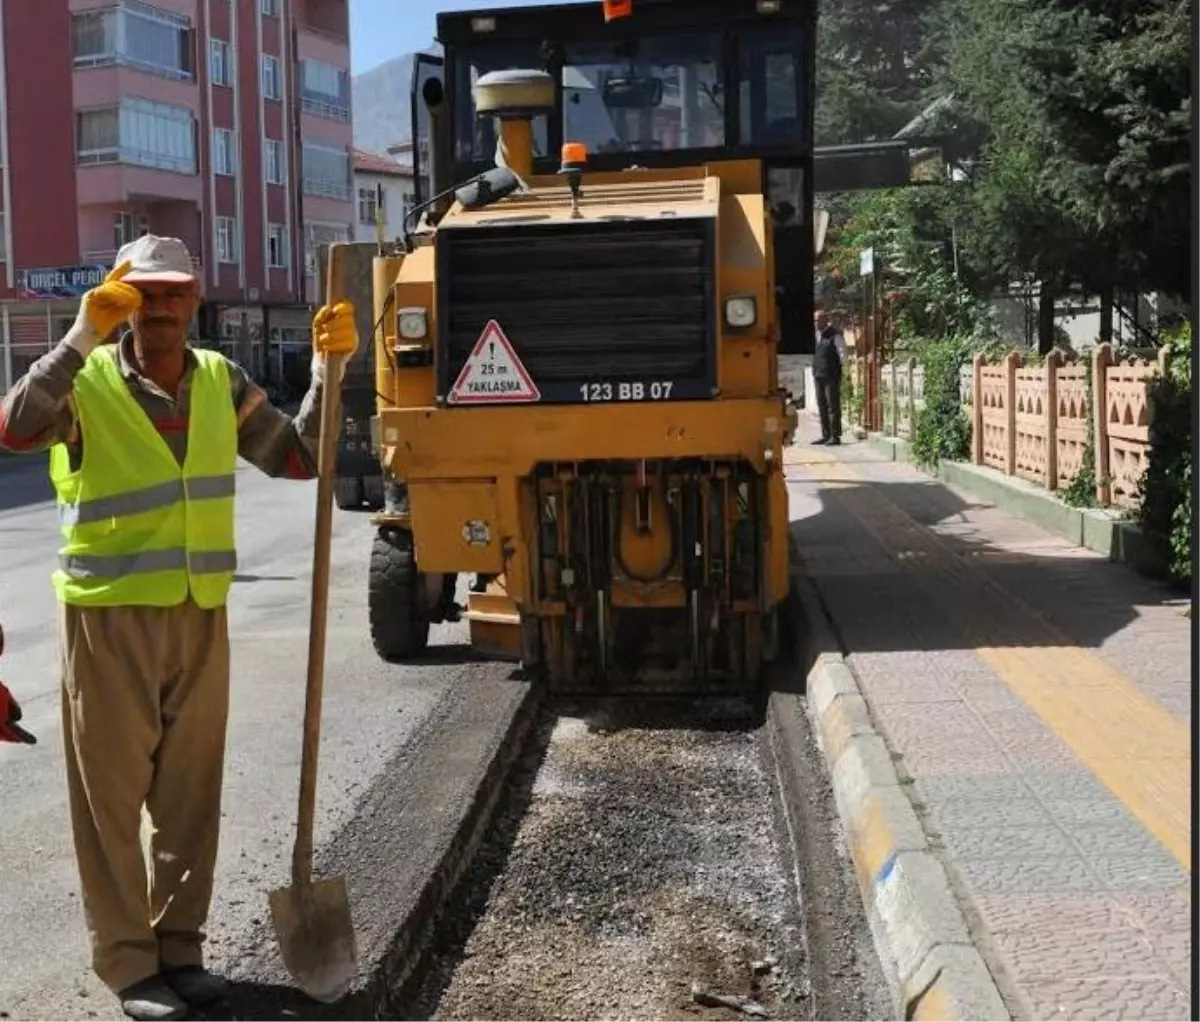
679 83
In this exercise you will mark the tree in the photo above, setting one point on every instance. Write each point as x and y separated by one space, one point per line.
1084 175
874 68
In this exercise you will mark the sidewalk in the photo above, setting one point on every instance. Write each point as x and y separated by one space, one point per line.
1038 697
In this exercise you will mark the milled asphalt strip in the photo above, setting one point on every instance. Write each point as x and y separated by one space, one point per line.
410 840
933 967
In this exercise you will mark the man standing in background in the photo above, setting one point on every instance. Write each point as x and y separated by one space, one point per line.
829 355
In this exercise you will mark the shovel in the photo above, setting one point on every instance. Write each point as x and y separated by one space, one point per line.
312 917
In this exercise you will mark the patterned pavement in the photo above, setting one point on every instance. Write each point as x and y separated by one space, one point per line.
1038 697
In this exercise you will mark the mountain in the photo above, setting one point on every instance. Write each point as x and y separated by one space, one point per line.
382 103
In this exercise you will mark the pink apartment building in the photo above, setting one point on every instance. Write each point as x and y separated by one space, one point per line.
223 122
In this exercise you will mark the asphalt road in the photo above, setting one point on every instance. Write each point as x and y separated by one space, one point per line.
372 711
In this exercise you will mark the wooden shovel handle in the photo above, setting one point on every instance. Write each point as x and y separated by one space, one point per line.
331 404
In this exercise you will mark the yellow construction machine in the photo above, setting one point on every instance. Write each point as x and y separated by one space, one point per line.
577 338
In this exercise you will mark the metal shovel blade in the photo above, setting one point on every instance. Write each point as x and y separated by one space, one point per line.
316 936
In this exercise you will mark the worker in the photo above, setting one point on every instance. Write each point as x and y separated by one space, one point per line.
144 437
829 356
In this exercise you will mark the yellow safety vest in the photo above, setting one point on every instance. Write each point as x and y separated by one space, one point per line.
139 529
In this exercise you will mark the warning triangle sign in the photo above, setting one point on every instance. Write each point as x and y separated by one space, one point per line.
493 374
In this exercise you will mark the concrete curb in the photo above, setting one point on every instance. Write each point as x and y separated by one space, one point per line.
931 963
1096 529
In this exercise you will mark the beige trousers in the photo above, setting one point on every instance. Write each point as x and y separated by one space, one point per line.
145 703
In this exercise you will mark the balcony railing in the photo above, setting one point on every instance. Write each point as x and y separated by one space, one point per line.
124 60
324 108
327 190
136 158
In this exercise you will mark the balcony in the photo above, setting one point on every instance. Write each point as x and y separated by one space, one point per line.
149 39
113 183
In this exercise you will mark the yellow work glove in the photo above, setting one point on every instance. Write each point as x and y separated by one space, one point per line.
103 309
334 333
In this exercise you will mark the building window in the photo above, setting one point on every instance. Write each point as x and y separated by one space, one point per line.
126 227
271 87
368 205
316 235
224 155
273 161
135 35
269 7
138 132
277 247
326 172
220 67
227 240
324 90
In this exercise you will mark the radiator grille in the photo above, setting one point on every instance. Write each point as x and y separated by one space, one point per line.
585 304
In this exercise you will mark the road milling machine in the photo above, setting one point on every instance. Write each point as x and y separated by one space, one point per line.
576 340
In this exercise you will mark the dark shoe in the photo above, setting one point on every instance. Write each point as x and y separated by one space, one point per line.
820 443
152 1000
195 984
835 442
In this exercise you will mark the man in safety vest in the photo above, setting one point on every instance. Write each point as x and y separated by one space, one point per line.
144 437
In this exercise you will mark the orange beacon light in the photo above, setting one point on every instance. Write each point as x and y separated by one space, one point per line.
614 9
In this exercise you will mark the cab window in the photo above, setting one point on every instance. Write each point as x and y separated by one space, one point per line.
768 94
645 95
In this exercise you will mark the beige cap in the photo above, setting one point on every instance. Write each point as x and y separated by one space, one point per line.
156 258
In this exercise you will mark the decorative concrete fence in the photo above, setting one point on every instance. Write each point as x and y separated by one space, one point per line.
902 394
1033 422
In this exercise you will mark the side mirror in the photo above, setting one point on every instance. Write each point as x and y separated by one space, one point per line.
633 93
489 187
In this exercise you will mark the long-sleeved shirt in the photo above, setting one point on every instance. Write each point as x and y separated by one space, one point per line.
40 411
839 342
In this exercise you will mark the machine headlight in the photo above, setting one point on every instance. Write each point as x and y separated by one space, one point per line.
413 324
741 312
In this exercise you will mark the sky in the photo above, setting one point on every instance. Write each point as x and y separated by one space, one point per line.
383 29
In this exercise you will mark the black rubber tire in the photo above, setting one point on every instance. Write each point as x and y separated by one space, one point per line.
348 492
372 487
399 626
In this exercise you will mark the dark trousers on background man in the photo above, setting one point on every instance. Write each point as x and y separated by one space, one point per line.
829 406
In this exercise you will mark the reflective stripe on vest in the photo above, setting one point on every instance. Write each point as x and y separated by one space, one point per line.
149 499
117 567
139 528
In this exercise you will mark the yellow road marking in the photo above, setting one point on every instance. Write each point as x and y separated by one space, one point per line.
1137 749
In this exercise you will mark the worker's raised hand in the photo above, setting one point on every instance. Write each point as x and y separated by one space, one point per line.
10 713
335 331
104 308
113 302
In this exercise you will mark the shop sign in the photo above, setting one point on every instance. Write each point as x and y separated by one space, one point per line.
59 281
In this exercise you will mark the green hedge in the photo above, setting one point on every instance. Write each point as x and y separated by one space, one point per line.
1166 510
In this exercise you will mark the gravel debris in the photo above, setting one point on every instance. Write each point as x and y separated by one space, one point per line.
630 867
